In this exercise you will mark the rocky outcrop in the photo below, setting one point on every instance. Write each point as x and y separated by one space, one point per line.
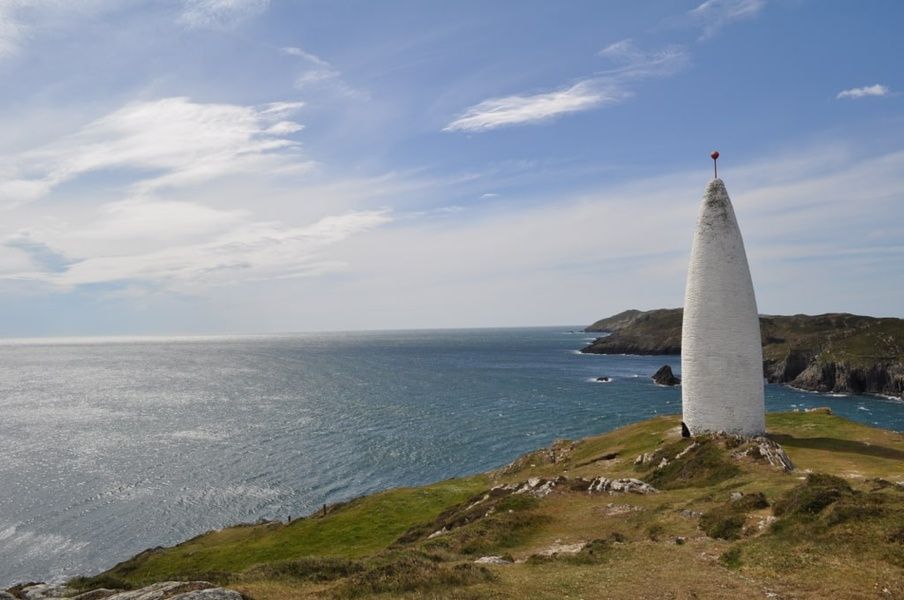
664 376
829 376
540 487
837 352
166 590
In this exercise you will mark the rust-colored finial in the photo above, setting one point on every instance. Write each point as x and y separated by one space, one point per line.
715 157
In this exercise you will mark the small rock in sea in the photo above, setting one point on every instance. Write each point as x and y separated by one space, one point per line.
604 379
492 560
664 376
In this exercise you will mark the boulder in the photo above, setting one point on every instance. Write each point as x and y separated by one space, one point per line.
664 376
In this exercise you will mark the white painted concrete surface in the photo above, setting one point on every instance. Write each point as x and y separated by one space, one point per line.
721 352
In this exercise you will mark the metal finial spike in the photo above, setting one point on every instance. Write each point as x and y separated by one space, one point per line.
715 157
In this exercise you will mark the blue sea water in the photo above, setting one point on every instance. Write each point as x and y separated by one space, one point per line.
108 447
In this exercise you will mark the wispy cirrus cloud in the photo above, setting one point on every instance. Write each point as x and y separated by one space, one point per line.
319 74
163 143
713 15
219 14
610 87
634 62
863 92
535 108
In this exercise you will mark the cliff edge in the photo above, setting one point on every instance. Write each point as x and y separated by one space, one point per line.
836 352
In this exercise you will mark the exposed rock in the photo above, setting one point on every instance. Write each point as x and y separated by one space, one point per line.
555 454
559 548
97 594
664 376
819 410
167 590
492 560
765 449
613 510
625 485
644 458
40 591
680 540
209 594
171 590
604 379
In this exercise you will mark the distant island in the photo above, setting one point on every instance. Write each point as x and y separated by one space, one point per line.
836 352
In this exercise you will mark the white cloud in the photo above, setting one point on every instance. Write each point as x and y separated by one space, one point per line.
610 88
637 63
713 15
301 53
245 251
863 92
157 220
516 110
319 74
164 143
219 14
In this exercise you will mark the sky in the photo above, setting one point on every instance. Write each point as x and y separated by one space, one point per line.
255 166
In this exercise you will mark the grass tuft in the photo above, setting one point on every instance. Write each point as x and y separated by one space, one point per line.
812 496
702 466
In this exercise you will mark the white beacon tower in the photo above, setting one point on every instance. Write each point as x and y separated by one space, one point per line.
721 351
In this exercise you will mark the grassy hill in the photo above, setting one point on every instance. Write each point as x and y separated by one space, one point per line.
827 353
723 523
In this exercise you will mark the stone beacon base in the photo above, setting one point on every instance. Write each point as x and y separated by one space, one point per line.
721 351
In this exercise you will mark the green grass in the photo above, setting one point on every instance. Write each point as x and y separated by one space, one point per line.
362 527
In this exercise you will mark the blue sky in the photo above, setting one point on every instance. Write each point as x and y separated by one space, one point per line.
190 166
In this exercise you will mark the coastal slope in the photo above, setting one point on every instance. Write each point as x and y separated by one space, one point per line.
835 352
637 512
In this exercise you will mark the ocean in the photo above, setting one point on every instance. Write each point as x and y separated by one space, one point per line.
111 446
